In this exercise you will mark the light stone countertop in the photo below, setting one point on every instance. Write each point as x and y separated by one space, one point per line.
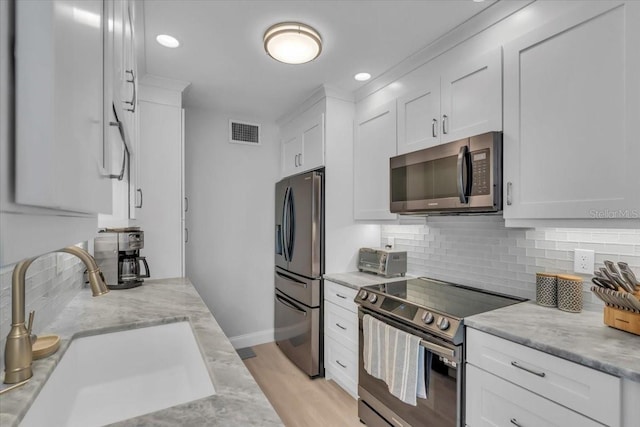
358 279
238 401
579 337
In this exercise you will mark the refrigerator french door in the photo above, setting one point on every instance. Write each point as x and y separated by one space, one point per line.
299 265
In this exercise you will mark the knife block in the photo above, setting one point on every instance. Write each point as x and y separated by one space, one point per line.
625 320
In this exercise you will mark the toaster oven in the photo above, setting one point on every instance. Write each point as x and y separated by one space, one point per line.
383 261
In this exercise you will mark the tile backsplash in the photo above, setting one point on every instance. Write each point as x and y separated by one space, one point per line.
480 251
51 282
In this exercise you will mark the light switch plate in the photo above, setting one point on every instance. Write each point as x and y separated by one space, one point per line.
584 261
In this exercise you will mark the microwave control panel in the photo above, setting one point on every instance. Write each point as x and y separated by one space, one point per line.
481 170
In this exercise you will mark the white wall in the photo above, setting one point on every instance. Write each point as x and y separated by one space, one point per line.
480 251
229 255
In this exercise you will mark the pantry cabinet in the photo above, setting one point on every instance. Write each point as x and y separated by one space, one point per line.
374 143
303 141
571 109
460 97
341 336
160 197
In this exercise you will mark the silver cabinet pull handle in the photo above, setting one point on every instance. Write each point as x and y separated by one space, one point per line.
341 327
341 296
434 128
509 190
186 235
515 422
139 190
540 374
344 366
295 161
133 96
445 120
186 204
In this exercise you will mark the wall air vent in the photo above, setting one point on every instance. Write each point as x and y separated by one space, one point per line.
244 133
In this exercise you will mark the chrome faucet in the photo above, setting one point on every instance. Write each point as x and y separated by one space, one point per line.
17 352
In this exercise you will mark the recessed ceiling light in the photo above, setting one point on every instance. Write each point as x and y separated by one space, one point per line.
362 77
292 43
478 1
167 41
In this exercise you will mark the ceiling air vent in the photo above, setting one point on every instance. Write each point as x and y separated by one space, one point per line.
244 133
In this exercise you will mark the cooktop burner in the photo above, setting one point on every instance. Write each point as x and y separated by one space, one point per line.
432 305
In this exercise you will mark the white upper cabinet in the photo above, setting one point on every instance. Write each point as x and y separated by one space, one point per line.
60 155
374 144
461 97
418 118
471 93
302 146
572 116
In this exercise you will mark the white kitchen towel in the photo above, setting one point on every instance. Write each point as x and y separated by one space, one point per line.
392 356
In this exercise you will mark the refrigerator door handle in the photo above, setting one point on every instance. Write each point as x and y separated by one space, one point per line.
284 231
291 224
290 305
292 279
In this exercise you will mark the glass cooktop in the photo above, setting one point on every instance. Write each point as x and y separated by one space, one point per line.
446 298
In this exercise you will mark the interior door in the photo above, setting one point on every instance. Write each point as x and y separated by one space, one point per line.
305 224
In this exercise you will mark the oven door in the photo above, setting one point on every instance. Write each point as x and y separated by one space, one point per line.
443 405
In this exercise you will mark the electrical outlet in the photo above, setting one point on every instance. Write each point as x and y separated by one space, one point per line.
583 261
391 241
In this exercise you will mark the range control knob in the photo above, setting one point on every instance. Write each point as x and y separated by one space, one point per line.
363 295
443 323
427 318
373 298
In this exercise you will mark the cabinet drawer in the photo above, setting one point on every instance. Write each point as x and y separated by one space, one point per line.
585 390
341 365
341 325
492 401
340 295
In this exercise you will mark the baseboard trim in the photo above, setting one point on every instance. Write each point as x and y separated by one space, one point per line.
254 338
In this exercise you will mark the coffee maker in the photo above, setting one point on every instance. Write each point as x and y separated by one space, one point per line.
117 253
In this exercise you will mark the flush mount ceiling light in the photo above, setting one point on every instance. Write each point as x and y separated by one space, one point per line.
292 43
167 41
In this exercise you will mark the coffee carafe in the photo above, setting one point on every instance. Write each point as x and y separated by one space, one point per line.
117 252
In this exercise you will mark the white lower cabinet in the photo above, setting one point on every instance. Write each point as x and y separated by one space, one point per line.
341 336
510 384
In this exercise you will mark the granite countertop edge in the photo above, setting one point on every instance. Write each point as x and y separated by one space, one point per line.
358 279
238 399
581 338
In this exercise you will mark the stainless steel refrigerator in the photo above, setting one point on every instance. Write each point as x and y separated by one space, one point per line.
299 265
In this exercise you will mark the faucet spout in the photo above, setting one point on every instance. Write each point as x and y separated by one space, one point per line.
17 352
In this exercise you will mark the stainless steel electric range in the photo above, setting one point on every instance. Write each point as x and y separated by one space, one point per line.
434 311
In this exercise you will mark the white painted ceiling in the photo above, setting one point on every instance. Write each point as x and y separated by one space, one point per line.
222 54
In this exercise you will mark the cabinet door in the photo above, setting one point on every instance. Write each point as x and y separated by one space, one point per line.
291 148
472 96
159 208
312 138
571 114
375 143
419 118
60 160
491 401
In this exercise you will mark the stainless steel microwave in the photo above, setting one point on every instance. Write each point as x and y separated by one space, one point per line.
463 176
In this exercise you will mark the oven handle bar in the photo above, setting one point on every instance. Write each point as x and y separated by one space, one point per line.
431 346
438 349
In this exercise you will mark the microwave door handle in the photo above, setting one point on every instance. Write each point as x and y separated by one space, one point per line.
462 187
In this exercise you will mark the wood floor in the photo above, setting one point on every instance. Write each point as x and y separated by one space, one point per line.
298 400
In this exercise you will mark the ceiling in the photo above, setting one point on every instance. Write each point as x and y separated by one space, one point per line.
222 54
